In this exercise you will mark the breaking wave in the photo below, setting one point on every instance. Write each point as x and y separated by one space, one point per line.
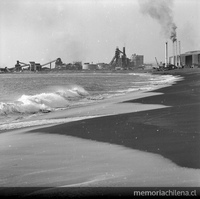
57 97
44 102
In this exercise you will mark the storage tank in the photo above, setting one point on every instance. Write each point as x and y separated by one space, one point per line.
87 66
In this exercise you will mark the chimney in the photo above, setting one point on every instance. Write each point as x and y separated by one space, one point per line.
124 52
166 54
179 54
176 53
174 61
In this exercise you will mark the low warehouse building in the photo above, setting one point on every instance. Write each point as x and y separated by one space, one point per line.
191 58
188 59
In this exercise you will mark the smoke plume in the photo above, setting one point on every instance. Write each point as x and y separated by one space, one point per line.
161 10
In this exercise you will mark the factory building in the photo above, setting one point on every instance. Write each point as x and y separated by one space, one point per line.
191 58
188 59
35 66
136 60
120 60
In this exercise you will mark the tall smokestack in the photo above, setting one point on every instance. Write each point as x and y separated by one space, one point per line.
166 54
173 46
176 47
179 60
161 11
124 52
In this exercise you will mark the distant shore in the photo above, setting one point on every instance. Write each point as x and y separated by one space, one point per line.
139 70
76 71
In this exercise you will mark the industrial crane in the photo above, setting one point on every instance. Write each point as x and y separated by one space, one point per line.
157 61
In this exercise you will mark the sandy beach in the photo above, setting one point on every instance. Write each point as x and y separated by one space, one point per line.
142 139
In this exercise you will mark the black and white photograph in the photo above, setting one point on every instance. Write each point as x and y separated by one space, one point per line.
99 98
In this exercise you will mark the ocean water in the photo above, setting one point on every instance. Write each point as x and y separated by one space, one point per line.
24 95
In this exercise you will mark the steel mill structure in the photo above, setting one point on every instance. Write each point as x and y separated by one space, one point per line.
120 60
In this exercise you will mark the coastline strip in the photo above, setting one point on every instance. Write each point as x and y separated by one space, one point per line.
111 106
173 131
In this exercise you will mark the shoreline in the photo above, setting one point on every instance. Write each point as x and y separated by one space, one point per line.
155 146
152 71
94 109
178 137
106 107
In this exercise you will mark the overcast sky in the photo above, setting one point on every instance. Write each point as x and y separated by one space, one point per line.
90 30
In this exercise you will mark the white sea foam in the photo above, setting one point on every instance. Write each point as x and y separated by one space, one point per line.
55 98
62 97
155 82
43 102
140 74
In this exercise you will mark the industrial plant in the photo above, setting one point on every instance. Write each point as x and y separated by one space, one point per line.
120 61
188 59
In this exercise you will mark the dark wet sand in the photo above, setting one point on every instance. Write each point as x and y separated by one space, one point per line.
173 132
